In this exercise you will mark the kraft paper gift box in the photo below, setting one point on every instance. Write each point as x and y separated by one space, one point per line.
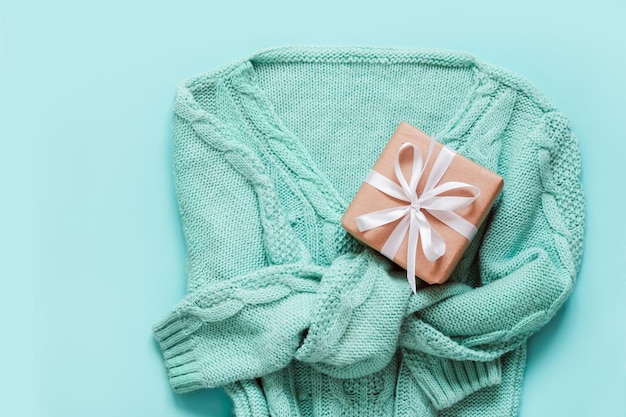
423 206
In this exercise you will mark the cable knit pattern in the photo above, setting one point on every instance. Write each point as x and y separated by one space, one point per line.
295 317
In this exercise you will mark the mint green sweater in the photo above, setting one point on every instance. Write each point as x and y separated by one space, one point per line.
292 315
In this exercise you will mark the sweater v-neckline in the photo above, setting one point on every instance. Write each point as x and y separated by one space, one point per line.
289 148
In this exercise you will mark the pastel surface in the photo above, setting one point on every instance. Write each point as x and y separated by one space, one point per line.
92 250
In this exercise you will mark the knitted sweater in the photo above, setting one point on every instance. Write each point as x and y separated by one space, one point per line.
292 315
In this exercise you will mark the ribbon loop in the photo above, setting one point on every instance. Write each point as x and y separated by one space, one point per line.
414 222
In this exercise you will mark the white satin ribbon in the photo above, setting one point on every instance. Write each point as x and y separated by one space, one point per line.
413 219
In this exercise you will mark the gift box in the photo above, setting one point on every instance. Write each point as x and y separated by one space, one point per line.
421 204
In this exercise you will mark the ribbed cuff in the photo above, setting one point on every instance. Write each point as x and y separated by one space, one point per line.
446 381
174 335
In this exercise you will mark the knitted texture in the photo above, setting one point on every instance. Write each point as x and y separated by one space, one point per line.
292 315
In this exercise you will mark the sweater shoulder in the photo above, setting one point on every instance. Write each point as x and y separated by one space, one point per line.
520 84
535 111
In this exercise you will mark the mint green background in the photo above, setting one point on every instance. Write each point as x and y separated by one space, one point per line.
91 251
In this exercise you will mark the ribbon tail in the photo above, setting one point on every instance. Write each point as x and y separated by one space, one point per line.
393 242
433 244
412 253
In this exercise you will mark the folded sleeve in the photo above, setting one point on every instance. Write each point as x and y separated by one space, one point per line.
357 316
528 259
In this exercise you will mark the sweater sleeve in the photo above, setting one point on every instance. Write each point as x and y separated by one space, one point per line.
343 319
243 284
255 300
454 336
528 259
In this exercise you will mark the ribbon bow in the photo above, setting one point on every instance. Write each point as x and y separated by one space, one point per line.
413 219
